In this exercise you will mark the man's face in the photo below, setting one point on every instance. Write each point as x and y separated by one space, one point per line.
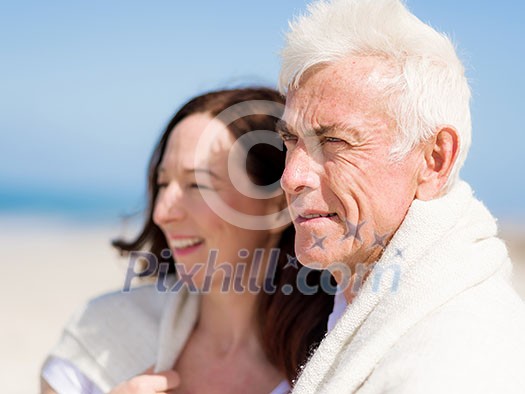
346 193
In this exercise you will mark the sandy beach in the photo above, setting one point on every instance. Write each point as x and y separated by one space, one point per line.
49 268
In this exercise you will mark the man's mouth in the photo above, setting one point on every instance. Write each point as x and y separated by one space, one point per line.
305 217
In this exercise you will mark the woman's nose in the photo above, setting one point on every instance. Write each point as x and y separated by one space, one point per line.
169 206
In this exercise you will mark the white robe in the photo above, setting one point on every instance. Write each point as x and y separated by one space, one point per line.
436 315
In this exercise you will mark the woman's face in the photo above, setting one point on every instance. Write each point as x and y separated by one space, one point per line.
190 226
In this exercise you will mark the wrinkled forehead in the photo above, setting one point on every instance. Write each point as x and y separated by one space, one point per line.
333 93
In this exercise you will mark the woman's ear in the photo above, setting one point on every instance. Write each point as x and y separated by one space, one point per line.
440 154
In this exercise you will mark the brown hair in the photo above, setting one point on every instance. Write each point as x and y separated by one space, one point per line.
291 326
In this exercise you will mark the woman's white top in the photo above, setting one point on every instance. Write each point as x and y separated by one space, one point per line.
65 378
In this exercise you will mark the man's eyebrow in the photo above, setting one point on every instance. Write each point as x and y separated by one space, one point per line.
339 128
282 127
319 131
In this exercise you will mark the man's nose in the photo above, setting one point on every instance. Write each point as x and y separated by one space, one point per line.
300 172
169 206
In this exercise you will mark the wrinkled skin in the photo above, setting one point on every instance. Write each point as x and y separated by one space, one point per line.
339 139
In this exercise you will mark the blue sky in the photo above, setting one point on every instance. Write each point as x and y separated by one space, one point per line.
86 87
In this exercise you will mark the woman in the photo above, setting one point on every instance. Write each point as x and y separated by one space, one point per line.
249 328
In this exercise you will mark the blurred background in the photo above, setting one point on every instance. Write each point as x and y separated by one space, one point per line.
86 88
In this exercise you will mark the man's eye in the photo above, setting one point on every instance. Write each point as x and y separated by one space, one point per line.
289 140
336 142
332 139
288 137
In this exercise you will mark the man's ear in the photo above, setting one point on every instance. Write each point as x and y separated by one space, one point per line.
440 154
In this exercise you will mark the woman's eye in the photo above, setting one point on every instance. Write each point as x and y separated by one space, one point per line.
162 185
198 186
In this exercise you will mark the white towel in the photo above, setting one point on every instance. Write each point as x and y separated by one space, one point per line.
443 248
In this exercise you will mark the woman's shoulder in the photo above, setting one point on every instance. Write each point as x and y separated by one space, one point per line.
146 299
115 335
142 303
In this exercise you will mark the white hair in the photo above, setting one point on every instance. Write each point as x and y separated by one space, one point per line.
429 88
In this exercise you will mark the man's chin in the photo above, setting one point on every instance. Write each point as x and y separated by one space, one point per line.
313 259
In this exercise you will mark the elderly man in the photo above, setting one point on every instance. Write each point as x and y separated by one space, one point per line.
377 126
